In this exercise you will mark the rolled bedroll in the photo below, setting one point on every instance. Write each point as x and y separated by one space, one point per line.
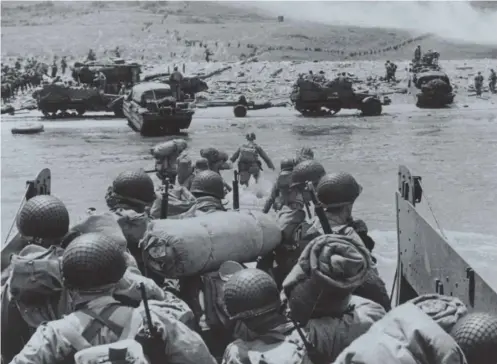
181 248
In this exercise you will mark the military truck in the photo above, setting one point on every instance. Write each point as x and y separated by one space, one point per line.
88 92
312 98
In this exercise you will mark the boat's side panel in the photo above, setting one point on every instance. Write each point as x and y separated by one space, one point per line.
429 264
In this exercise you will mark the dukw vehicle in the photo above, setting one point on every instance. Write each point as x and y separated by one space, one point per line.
152 110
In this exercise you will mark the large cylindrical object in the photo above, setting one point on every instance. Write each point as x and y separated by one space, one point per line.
240 111
179 248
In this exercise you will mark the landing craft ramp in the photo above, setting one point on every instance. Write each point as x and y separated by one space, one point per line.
428 263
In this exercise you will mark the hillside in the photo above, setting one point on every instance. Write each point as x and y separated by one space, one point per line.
165 31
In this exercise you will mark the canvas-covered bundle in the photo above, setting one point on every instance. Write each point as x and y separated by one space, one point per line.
180 248
60 92
437 85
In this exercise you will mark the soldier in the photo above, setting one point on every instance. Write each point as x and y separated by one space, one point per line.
475 334
166 158
492 81
175 80
43 220
291 217
305 153
54 69
478 83
319 297
91 55
91 267
248 160
417 54
208 188
252 297
280 192
129 198
101 81
63 65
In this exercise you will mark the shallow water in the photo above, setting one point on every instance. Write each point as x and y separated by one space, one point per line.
455 151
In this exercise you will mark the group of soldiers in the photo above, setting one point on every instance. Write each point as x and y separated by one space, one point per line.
479 80
24 75
311 300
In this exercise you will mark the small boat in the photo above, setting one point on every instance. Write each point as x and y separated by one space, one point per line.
28 129
151 110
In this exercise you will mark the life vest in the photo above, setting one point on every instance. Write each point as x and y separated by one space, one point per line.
248 153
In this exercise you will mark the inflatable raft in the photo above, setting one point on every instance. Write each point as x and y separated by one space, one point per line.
28 129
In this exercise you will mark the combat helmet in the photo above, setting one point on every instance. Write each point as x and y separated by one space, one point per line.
91 261
43 216
338 189
208 183
135 185
476 335
250 293
250 137
308 170
202 164
287 164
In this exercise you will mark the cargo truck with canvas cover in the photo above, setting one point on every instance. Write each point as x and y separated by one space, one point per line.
98 87
313 98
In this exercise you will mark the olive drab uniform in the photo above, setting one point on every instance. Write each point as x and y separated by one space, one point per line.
252 294
248 160
417 54
176 79
478 83
492 81
280 193
91 266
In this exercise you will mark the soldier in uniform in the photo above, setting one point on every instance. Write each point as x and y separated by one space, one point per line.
54 69
167 165
305 153
478 83
292 216
337 193
280 192
252 297
63 65
91 267
129 199
492 81
175 80
417 54
248 160
43 220
91 55
208 189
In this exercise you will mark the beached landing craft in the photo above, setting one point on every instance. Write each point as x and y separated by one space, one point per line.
152 110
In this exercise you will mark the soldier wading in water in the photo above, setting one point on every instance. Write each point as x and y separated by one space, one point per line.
248 160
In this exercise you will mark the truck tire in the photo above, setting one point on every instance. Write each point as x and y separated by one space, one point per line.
81 110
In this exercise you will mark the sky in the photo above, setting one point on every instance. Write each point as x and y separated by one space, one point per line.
456 20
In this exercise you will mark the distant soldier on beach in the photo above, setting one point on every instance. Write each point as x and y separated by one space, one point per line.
175 79
417 54
478 83
63 64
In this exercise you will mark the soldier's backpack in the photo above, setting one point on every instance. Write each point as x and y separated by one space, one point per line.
123 352
248 153
132 347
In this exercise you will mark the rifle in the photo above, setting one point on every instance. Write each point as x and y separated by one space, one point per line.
165 198
314 356
151 340
236 192
318 209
